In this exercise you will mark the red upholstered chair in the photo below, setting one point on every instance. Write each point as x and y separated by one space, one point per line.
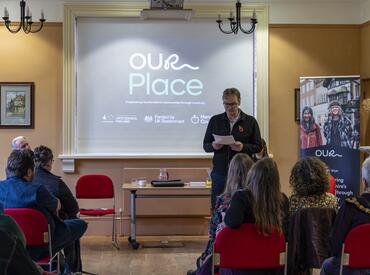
36 229
355 248
98 187
246 248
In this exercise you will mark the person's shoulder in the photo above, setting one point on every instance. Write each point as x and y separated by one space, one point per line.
244 195
218 116
247 118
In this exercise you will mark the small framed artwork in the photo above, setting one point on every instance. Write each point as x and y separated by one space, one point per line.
297 104
17 105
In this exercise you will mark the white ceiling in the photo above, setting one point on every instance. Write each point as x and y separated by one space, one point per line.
218 1
280 11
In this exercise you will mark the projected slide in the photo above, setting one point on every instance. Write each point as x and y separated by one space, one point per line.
150 87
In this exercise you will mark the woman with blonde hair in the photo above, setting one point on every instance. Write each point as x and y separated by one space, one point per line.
262 202
236 180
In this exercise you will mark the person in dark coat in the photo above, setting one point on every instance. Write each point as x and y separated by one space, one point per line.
245 130
19 191
69 207
355 211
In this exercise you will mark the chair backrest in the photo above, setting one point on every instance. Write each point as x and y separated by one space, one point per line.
33 224
246 248
94 187
357 247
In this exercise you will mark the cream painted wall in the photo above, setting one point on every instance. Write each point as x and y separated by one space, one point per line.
296 51
365 52
34 58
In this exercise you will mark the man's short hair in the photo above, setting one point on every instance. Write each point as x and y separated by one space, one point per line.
366 171
19 161
231 91
16 140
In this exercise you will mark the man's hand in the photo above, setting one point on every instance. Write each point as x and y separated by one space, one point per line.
217 146
237 146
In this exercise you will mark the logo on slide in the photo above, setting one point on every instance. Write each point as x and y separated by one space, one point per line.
195 119
139 61
148 119
144 82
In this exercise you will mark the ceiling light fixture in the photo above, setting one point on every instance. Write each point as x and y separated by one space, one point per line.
25 22
235 23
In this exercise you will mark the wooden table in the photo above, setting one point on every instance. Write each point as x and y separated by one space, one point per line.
149 192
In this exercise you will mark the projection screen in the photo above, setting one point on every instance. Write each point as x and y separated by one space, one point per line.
150 87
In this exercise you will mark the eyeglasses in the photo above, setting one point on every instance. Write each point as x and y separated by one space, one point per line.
233 104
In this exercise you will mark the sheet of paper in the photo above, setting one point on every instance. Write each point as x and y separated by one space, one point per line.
225 140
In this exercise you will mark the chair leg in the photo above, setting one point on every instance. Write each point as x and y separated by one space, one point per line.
114 234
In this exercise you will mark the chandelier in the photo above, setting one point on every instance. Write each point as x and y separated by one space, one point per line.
25 22
235 23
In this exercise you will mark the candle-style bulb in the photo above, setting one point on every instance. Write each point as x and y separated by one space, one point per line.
6 13
42 14
254 15
219 16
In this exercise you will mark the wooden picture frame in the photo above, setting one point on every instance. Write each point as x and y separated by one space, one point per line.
297 104
17 105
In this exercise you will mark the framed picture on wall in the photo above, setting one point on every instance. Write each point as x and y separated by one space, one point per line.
17 105
297 104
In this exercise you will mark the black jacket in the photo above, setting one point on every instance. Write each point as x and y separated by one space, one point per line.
245 130
355 211
59 189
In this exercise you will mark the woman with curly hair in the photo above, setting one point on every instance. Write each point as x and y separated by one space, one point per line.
310 181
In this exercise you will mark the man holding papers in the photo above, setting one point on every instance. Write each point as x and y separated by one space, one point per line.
227 134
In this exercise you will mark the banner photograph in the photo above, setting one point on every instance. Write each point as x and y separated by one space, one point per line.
330 127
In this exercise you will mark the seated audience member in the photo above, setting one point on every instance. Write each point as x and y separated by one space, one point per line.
310 181
69 207
354 211
236 180
14 258
20 143
44 162
19 191
261 203
263 153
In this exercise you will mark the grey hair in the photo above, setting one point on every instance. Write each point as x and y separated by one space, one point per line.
15 140
366 171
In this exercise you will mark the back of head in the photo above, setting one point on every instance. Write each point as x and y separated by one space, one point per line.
366 172
309 176
19 161
43 156
237 173
264 183
20 142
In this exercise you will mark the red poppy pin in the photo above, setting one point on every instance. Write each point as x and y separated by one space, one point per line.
241 129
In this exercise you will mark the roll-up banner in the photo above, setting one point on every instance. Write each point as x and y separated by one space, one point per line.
330 127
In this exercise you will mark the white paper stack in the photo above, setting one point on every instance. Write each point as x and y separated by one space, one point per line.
197 184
